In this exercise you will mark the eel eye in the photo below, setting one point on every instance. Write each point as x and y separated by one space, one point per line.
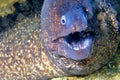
63 20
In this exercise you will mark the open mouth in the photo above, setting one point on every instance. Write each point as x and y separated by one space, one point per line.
79 40
76 45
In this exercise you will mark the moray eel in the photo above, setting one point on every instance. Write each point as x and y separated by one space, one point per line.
78 35
64 20
73 38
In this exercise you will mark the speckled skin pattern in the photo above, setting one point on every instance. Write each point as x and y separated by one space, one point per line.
22 55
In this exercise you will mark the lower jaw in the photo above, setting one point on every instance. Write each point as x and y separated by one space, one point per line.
79 52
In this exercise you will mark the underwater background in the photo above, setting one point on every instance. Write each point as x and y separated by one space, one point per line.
13 11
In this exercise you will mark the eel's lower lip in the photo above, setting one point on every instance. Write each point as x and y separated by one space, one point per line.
76 45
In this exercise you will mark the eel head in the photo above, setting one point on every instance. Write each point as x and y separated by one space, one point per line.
67 33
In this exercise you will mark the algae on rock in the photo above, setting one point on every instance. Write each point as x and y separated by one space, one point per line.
6 6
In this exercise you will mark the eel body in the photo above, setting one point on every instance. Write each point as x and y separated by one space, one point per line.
37 50
21 54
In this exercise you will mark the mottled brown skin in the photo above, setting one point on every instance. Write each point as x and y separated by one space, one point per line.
22 56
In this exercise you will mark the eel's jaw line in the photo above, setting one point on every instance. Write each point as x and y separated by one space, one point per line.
79 46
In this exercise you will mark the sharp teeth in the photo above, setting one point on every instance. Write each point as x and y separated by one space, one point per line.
86 43
76 48
81 46
69 46
64 42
